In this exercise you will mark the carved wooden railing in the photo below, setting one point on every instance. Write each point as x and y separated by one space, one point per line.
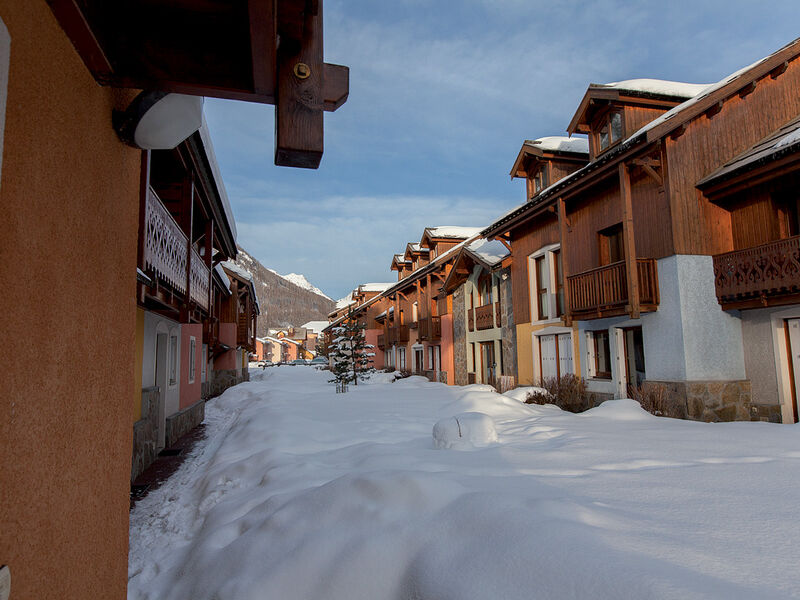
498 314
484 317
471 319
760 272
382 341
397 334
165 245
199 280
605 288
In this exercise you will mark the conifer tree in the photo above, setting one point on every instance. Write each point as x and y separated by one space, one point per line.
352 356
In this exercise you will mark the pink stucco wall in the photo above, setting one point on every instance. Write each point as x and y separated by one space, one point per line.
371 337
190 392
227 335
448 358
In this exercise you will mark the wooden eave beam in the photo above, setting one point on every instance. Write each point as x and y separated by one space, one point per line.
778 168
263 36
74 23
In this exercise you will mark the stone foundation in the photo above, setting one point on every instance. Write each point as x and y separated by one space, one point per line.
221 380
712 401
182 422
145 433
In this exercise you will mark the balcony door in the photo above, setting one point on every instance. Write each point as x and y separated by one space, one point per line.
634 357
419 363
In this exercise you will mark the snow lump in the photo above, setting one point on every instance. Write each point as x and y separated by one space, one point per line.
464 430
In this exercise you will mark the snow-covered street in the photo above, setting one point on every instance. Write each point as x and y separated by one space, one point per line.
300 493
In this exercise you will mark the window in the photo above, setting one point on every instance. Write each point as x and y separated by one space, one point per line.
173 359
414 312
609 130
539 181
192 358
602 355
542 296
485 289
787 207
559 278
401 358
204 360
612 245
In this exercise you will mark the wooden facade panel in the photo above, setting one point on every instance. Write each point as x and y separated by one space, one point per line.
526 240
754 221
700 227
650 217
589 213
636 117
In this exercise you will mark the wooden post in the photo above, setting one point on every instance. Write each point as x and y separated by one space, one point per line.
187 220
144 192
629 241
562 225
209 246
300 102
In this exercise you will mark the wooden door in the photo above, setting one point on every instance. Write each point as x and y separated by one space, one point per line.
419 365
565 365
488 366
548 350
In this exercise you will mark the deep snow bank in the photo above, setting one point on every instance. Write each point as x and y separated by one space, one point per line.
306 494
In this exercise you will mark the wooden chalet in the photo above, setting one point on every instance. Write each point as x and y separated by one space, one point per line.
639 227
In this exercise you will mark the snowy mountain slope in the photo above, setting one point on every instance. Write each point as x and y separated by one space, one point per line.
301 281
283 301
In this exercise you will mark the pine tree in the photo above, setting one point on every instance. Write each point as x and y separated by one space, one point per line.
352 356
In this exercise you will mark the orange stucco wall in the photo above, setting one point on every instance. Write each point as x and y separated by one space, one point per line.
70 202
448 357
371 337
227 335
190 392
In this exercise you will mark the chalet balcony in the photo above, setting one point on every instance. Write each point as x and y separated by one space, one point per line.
169 256
765 275
430 329
397 335
382 342
603 291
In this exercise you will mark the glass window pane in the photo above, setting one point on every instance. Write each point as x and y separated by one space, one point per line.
616 127
604 137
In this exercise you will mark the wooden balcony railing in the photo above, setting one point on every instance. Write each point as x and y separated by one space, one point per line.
484 317
167 252
430 328
382 342
471 319
603 291
498 315
200 281
165 245
763 273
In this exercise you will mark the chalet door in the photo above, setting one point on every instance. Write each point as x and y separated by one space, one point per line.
419 363
548 351
565 366
488 364
634 357
161 382
793 328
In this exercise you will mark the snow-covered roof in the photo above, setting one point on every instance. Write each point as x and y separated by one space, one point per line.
560 143
238 269
660 87
222 275
491 252
205 138
274 340
315 326
344 302
451 231
376 287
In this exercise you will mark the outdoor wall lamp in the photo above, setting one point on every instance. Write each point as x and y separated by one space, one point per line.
159 120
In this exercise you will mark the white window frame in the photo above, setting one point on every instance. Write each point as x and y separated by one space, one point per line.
192 358
552 291
204 363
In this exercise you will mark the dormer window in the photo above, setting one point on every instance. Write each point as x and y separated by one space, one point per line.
538 181
609 130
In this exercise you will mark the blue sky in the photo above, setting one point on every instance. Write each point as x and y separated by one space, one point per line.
442 94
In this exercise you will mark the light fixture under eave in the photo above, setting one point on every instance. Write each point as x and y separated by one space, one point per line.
159 120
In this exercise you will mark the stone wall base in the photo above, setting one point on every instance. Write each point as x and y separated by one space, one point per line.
182 422
221 380
145 433
713 401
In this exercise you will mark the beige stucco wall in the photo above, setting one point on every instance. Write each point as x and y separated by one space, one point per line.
70 200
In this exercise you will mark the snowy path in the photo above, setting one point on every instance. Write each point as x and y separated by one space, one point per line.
299 493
